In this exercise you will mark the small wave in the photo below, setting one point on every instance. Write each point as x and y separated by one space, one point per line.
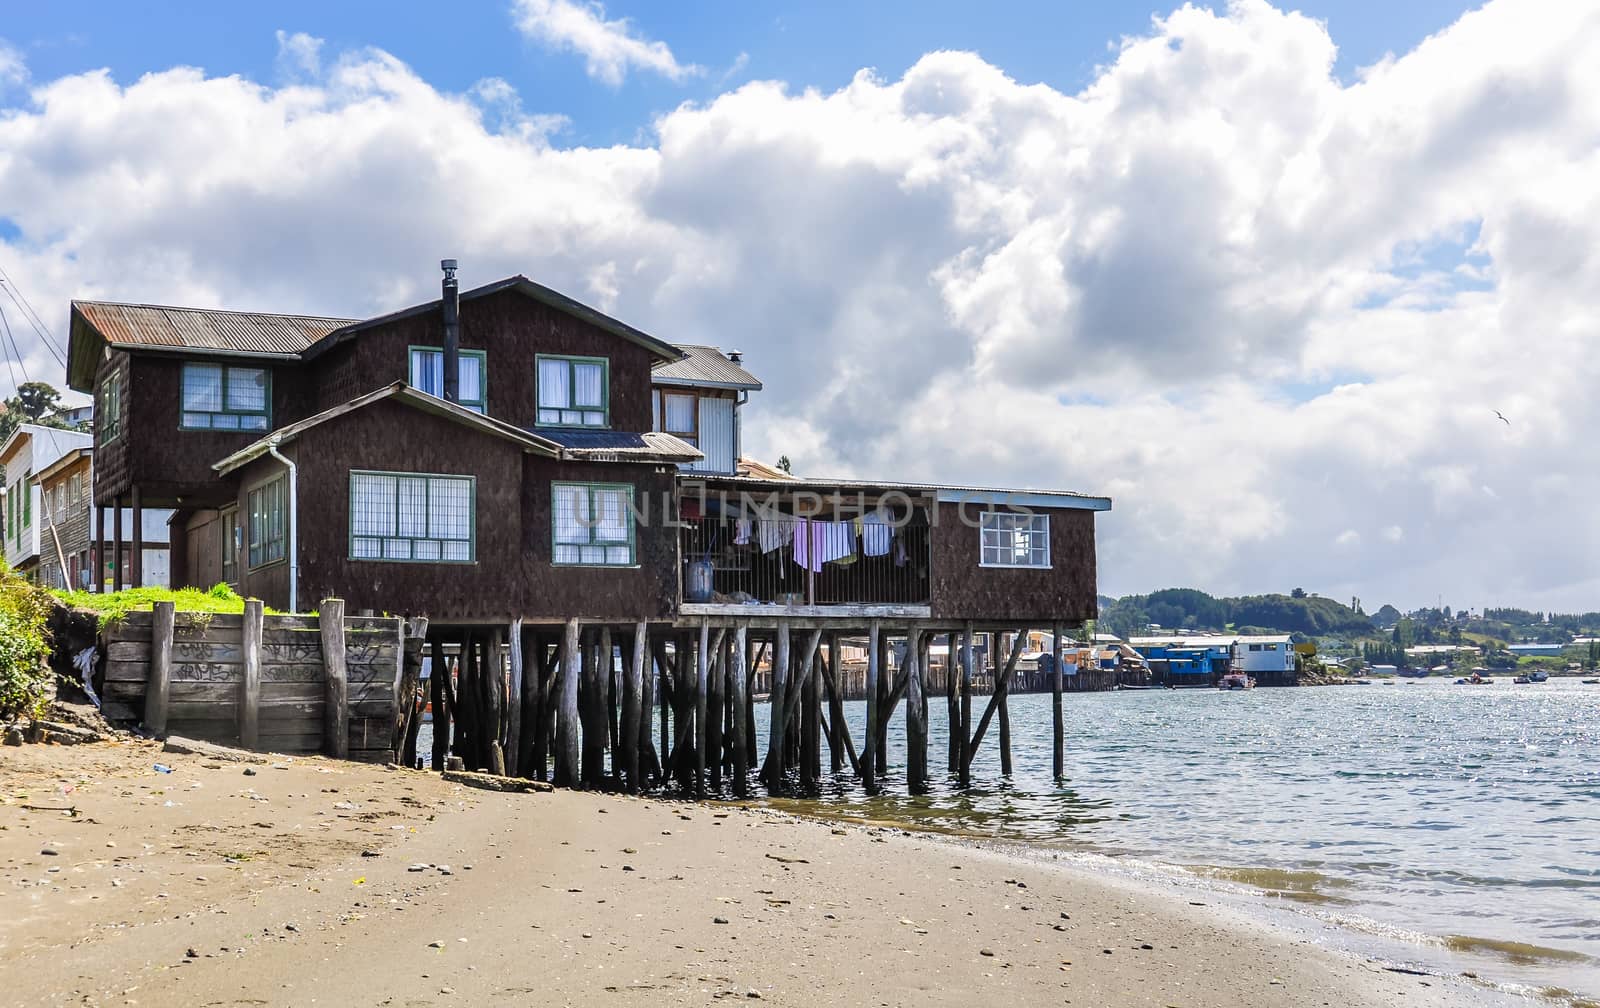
1520 953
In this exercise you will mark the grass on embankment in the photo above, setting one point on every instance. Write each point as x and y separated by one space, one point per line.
112 606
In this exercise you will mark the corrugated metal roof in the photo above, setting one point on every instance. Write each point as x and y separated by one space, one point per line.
704 366
941 491
652 446
156 326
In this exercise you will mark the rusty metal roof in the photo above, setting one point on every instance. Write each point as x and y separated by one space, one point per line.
706 367
160 326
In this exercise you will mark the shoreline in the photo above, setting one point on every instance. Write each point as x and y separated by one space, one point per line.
214 884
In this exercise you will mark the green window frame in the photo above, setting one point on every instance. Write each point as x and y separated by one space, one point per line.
27 503
268 522
427 376
403 517
108 410
592 525
223 397
565 394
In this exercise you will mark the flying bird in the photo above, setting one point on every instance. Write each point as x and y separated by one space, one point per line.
1502 416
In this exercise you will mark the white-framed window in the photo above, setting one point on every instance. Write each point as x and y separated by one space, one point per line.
220 397
268 507
472 384
680 416
1010 539
574 391
412 517
592 524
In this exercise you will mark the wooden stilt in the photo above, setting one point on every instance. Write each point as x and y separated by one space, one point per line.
513 720
649 762
116 546
752 666
954 658
716 708
869 744
1059 761
772 770
1002 690
969 643
606 679
701 703
437 674
836 725
568 753
916 710
136 555
739 687
336 691
886 678
632 689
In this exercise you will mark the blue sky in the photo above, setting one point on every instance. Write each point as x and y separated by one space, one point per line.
818 45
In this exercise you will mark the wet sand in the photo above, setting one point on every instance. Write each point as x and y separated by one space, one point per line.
356 885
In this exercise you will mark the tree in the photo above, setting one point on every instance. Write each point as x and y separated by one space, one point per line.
1298 593
35 403
783 463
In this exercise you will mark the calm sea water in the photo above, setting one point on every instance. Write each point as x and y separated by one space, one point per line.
1450 826
1462 823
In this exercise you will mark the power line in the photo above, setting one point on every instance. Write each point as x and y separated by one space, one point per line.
4 322
32 317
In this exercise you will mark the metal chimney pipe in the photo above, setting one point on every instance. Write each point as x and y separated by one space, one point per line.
450 307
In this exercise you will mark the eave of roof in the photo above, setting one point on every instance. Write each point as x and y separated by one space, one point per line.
403 393
620 446
522 284
940 492
64 462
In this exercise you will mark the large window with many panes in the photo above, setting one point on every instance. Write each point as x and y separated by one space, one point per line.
1010 539
574 391
221 397
416 517
592 524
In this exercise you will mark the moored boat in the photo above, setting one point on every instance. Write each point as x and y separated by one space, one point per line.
1236 681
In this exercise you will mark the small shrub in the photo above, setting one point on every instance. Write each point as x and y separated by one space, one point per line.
24 648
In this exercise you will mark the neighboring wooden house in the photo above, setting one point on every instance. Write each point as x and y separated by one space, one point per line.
67 533
697 400
30 450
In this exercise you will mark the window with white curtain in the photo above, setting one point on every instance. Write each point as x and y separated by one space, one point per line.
592 524
415 517
574 391
268 522
680 416
427 375
1010 539
219 397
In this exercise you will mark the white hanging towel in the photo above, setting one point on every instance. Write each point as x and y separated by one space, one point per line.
772 533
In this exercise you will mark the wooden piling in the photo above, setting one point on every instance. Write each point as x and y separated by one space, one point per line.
837 730
1059 761
159 688
336 714
632 690
954 652
738 686
1002 689
250 682
886 671
441 707
716 708
612 704
592 698
494 673
969 647
568 753
916 724
701 703
649 761
869 745
514 701
772 770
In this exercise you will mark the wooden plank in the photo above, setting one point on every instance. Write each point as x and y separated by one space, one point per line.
206 672
296 744
278 711
336 728
128 651
274 691
160 682
123 711
292 673
250 686
123 671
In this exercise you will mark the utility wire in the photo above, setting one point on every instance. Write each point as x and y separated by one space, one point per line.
32 317
13 340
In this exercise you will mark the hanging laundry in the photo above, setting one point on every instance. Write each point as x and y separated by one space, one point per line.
838 540
817 542
741 532
900 551
773 532
876 534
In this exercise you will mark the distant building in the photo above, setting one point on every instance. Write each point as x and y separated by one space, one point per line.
1536 650
67 559
29 450
1202 659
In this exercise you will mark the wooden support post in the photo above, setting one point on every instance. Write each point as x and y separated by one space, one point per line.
752 665
885 707
494 676
439 694
1059 762
869 744
136 555
836 725
632 692
336 696
407 709
772 771
738 685
159 687
649 761
250 684
514 702
953 685
701 702
98 581
711 729
595 721
1002 684
662 670
1002 689
916 725
838 731
568 756
606 681
116 547
969 646
811 728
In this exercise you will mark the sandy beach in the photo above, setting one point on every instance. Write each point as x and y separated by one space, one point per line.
314 882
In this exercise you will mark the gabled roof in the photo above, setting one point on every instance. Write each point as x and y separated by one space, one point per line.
189 330
47 444
523 285
705 367
63 463
402 393
621 446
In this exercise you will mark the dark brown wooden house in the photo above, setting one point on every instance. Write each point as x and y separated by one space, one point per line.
506 459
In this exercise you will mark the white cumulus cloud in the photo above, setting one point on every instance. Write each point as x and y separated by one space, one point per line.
610 48
1270 312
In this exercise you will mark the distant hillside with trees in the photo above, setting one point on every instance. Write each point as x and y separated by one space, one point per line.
1192 609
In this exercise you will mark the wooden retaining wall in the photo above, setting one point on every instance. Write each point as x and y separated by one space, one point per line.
270 692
